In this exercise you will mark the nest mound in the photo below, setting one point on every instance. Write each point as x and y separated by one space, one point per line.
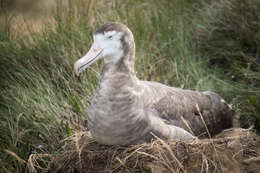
235 150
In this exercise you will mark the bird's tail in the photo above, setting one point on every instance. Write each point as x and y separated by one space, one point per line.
222 112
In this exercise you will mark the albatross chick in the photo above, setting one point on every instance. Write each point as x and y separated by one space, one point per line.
126 110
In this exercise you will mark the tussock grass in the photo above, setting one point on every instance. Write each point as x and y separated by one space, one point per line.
42 104
229 35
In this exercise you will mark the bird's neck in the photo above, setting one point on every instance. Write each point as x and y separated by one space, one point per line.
117 77
117 82
123 68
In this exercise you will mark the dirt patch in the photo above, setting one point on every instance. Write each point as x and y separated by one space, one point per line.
236 150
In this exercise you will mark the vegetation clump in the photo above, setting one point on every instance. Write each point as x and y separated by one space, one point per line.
230 35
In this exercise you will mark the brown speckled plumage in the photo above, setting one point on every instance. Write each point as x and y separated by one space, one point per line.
126 110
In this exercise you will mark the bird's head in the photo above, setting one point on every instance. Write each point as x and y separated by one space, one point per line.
114 42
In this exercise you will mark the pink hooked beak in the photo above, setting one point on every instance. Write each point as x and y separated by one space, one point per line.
93 55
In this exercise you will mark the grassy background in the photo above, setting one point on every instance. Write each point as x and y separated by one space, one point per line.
192 44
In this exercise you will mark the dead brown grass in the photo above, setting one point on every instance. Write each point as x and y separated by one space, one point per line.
236 150
19 26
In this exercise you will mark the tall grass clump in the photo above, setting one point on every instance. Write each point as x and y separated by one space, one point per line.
229 34
42 103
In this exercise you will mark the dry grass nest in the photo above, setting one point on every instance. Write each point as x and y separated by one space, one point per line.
235 150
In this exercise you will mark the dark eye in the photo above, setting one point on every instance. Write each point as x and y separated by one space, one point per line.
110 37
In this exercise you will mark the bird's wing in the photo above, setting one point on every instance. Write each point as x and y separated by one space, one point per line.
197 112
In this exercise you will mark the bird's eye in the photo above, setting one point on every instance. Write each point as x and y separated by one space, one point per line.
110 37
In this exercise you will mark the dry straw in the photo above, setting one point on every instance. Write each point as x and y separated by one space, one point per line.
234 150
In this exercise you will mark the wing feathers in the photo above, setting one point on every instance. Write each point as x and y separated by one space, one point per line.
180 108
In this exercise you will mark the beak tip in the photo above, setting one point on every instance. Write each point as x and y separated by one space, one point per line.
76 72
